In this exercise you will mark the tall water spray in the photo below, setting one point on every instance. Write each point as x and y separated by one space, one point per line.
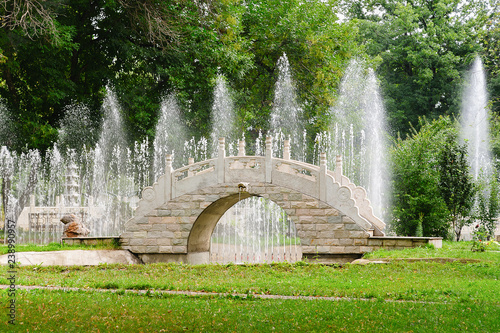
376 146
286 115
77 128
475 121
100 184
223 117
170 136
359 133
7 132
112 138
350 106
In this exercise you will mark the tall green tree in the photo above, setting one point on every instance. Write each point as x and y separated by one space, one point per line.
456 184
491 56
67 51
418 204
488 205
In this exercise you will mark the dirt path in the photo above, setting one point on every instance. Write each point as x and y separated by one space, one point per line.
204 293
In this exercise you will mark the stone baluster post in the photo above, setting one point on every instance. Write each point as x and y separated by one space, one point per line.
168 177
286 150
220 161
269 156
338 169
190 161
241 148
322 176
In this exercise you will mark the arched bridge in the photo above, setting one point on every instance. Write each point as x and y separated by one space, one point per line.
177 215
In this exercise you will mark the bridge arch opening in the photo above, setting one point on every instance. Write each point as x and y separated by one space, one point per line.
245 228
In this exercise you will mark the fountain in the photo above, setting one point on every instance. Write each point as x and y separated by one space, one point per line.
286 123
376 145
475 132
77 128
475 121
358 133
99 185
223 117
170 136
7 132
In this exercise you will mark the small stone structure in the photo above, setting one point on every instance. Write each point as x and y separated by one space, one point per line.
73 227
334 219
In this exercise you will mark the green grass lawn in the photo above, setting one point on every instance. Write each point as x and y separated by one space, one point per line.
58 311
56 247
400 296
449 250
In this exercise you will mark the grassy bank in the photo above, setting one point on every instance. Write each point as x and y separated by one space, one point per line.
449 250
423 281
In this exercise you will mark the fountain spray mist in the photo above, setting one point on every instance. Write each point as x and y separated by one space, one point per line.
255 229
170 136
475 121
223 118
286 114
359 133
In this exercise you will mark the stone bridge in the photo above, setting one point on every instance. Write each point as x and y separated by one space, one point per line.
176 216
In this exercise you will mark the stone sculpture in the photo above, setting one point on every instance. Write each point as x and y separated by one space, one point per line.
73 227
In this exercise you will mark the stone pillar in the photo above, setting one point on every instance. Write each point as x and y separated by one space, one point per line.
220 161
322 176
190 161
338 169
286 150
241 148
168 177
269 156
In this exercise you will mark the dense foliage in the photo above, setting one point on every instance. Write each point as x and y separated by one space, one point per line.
57 53
148 49
434 191
418 203
456 185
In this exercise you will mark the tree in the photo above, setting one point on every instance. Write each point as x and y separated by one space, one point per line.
491 56
456 185
142 49
488 206
418 207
